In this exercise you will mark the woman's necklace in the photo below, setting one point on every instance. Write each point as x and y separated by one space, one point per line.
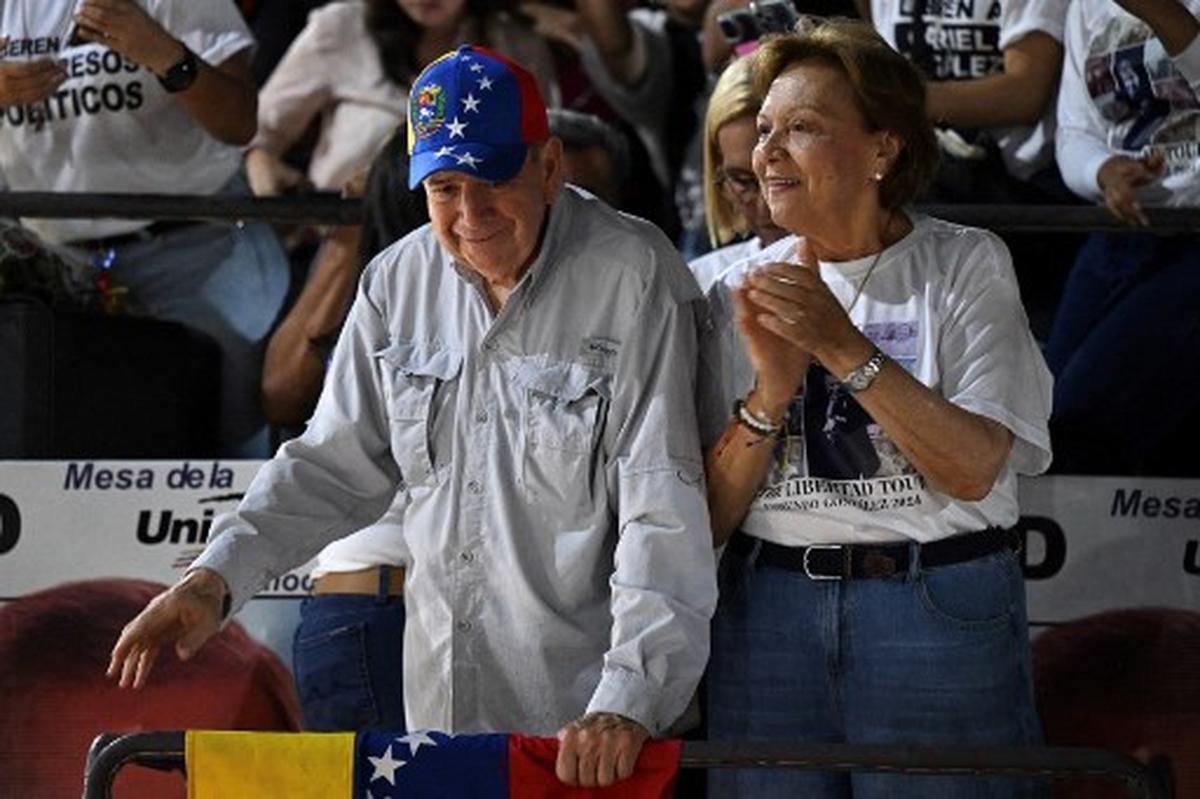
862 284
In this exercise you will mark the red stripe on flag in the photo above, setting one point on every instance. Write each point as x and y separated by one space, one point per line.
531 772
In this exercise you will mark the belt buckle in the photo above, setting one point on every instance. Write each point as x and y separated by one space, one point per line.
808 572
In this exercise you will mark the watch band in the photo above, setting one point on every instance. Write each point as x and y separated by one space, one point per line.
182 73
863 376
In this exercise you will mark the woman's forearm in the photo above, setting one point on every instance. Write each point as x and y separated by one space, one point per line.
1019 95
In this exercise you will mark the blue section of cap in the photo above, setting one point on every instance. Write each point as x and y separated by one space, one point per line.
493 164
465 115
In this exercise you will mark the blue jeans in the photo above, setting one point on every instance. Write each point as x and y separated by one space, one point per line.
347 658
1122 351
937 656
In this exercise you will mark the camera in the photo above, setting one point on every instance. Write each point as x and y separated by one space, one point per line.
763 17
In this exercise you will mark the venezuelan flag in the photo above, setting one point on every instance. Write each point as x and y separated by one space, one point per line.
380 765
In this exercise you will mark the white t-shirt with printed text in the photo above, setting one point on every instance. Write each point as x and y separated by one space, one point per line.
966 40
1123 94
943 304
111 127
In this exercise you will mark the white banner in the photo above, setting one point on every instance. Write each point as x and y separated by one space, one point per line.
78 520
1102 543
1092 543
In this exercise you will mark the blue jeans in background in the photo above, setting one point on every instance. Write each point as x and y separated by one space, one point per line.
1123 351
347 659
937 656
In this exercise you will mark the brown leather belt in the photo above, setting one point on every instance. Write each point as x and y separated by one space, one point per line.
371 581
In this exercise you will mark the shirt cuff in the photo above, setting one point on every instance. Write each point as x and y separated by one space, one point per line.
628 695
1091 172
243 583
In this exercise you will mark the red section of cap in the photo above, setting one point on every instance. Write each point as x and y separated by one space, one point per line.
534 125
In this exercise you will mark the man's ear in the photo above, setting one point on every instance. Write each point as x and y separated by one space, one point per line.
553 167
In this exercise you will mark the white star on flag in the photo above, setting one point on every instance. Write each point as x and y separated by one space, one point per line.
445 151
426 112
456 128
485 83
469 160
477 67
470 103
416 740
385 766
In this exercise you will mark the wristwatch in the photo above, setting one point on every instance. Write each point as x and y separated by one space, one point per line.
182 74
862 377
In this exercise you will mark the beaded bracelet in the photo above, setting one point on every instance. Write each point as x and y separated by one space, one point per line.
759 425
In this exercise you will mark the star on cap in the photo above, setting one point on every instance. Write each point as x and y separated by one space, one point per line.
470 103
445 151
485 83
469 160
477 67
385 767
456 128
416 740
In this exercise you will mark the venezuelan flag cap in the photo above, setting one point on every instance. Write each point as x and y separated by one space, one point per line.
476 112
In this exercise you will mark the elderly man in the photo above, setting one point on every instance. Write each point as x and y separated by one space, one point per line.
524 370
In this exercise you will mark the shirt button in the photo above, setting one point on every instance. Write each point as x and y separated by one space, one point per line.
481 417
467 556
474 487
463 626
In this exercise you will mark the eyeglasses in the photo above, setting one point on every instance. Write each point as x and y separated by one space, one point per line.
741 185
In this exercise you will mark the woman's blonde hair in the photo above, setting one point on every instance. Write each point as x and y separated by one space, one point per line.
733 97
888 90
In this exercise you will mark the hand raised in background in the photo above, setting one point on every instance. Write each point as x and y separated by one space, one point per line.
124 27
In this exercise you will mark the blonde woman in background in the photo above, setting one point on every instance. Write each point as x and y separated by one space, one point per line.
739 221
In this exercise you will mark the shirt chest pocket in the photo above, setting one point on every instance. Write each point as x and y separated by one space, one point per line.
422 384
564 407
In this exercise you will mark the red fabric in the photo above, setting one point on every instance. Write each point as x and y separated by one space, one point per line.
531 772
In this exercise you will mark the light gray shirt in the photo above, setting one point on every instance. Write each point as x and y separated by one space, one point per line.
561 553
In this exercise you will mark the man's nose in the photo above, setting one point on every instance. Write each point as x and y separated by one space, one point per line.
476 201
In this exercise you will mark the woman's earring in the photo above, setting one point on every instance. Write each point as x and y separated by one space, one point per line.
878 176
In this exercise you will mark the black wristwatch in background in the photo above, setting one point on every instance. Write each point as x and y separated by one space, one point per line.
182 74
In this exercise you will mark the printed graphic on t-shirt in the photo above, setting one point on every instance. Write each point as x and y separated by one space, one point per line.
99 81
832 453
1135 86
950 39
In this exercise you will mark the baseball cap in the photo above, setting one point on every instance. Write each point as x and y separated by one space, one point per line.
473 111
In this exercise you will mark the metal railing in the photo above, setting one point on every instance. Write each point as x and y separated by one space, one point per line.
332 209
165 750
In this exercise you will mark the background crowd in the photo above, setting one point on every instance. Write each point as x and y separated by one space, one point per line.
1049 102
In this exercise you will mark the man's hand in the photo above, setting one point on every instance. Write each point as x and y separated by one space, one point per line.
187 614
123 26
1120 177
24 82
599 749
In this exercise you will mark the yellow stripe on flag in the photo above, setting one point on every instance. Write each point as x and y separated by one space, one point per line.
248 765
